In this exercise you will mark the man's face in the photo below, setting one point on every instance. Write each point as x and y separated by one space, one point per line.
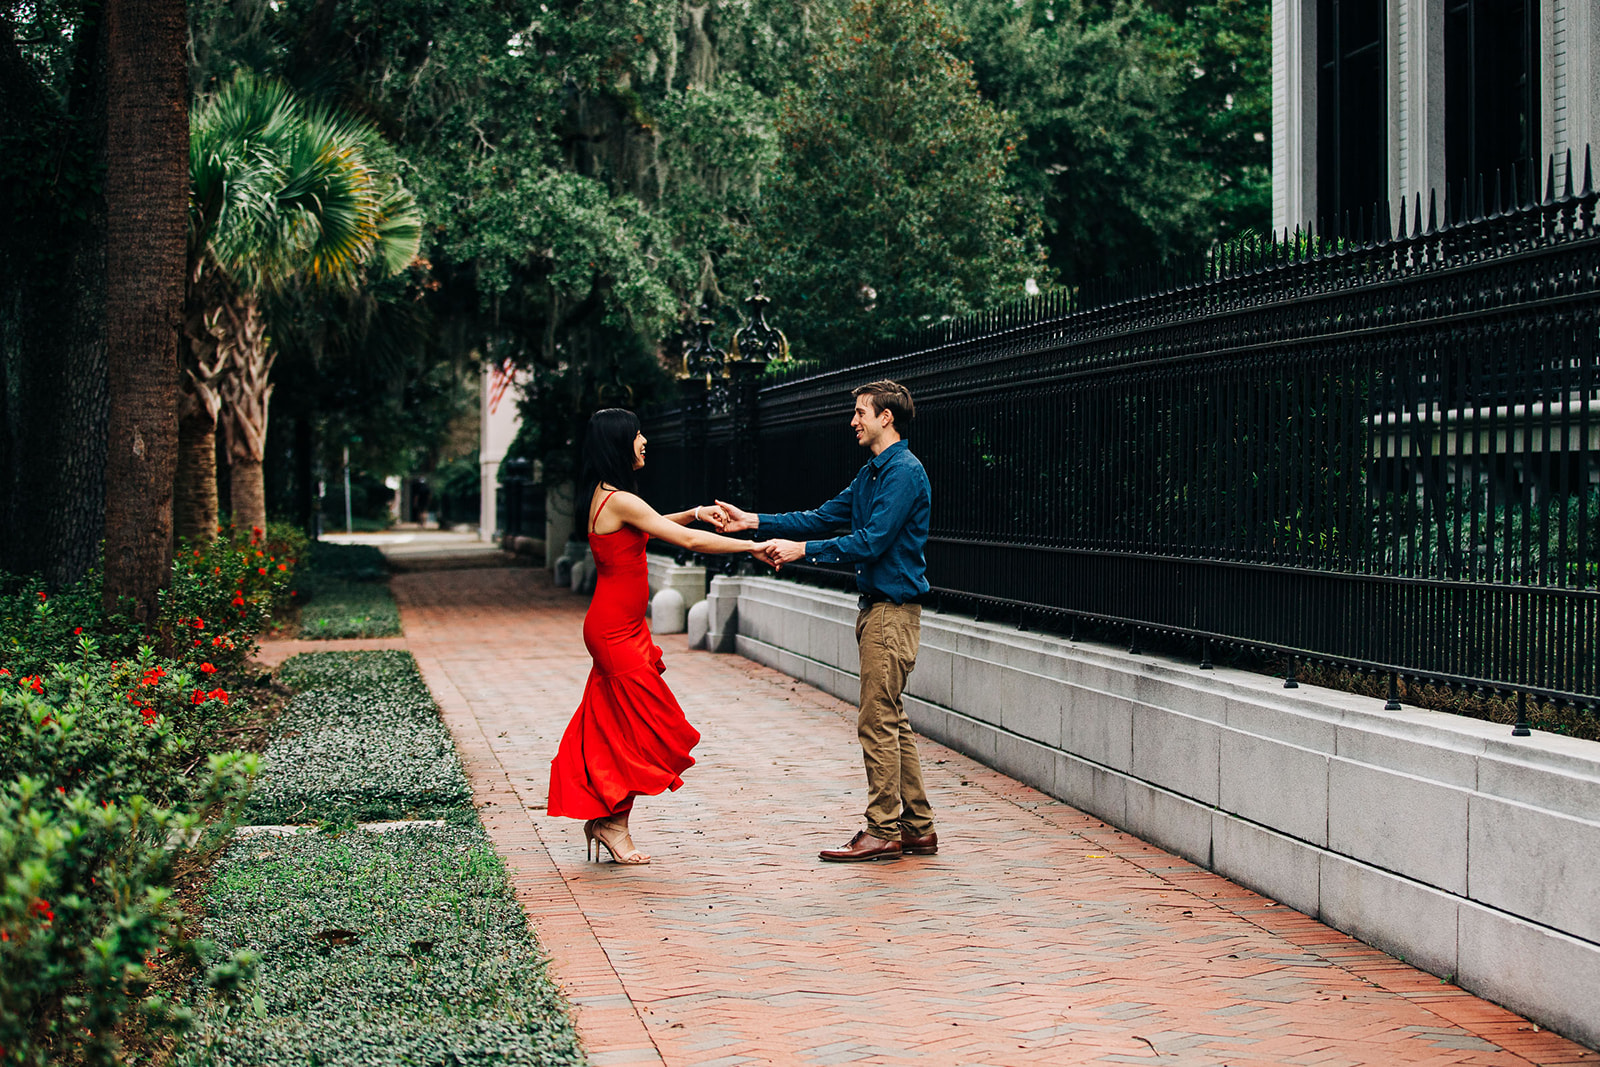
869 423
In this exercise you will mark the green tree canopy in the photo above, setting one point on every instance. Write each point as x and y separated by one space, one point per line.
893 203
1145 121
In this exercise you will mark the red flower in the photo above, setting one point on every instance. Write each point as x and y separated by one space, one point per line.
208 668
198 697
197 642
4 673
31 681
42 597
78 631
5 935
283 566
149 715
261 570
238 601
218 694
216 642
199 623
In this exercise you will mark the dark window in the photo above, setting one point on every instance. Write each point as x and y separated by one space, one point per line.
1490 86
1352 109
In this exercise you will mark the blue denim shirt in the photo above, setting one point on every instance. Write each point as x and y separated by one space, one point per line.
886 508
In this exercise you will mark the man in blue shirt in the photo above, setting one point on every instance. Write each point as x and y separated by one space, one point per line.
886 511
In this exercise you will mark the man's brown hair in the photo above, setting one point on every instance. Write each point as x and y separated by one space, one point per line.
893 398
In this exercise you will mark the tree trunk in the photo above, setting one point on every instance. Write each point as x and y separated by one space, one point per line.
146 190
53 398
246 394
210 332
249 495
195 505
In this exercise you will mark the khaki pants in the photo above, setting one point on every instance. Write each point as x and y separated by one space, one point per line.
888 635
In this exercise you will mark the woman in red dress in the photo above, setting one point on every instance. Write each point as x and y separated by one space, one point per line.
628 737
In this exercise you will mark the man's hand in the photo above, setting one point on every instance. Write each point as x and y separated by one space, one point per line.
713 514
780 552
735 519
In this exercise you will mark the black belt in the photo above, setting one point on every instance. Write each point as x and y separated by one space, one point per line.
866 600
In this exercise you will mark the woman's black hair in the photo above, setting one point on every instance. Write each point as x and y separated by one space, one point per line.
608 452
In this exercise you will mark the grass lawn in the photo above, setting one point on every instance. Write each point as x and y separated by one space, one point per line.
402 947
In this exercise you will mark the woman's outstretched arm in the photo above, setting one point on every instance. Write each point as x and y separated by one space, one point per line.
633 510
711 514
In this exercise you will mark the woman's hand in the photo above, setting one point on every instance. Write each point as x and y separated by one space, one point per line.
735 519
712 514
761 550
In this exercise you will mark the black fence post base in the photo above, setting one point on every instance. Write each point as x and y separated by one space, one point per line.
1521 728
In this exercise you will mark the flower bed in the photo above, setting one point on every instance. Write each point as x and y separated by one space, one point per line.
400 947
112 765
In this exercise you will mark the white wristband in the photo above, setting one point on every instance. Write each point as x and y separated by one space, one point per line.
697 513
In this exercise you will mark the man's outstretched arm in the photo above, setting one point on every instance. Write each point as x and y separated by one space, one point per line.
829 517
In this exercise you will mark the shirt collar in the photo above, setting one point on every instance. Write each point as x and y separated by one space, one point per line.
883 457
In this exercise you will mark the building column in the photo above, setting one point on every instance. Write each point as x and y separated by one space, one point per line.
1569 77
499 388
1416 94
1294 113
488 497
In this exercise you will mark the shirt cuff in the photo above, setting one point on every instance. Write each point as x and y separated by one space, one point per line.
822 551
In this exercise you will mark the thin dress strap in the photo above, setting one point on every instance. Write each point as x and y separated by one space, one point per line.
601 508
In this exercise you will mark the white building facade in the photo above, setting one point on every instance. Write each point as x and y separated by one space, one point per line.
1378 100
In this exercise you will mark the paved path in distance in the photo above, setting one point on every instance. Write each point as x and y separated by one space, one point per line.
1038 935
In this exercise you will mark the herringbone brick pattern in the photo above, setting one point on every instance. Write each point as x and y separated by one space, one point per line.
1038 935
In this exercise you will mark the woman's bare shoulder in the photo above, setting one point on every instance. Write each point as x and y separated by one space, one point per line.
620 506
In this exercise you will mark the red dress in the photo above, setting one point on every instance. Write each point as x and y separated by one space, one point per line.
628 737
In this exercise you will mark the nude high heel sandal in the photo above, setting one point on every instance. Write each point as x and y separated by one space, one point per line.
618 842
589 844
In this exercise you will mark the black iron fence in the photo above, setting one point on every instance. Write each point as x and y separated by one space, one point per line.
1381 451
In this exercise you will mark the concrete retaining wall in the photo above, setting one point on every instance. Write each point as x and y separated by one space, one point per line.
688 579
1446 841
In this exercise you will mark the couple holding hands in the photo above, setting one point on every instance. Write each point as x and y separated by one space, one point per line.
629 737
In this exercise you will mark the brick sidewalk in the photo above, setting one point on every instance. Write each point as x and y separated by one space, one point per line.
1039 935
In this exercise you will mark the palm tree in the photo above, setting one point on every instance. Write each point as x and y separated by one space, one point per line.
145 99
282 194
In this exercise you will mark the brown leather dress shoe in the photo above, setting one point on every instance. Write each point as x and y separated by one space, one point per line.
862 847
926 845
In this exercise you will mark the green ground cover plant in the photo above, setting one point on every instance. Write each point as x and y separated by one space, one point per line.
364 948
405 947
360 741
345 593
115 772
